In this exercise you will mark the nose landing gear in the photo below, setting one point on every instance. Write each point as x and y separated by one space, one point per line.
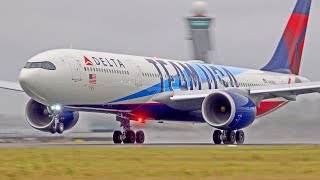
128 136
57 125
228 137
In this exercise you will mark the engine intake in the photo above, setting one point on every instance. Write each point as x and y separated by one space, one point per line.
38 116
228 110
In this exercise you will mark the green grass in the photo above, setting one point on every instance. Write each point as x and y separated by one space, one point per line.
279 162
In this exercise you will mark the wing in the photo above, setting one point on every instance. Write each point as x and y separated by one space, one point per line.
192 100
10 86
287 89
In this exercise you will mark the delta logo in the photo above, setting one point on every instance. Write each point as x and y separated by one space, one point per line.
113 63
87 61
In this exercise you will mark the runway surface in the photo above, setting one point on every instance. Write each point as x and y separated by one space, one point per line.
110 145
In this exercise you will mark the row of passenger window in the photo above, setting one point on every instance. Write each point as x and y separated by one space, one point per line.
249 84
102 70
152 75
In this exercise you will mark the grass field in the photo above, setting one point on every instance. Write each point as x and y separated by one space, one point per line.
249 162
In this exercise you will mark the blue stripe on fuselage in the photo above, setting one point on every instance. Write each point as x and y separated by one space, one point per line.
192 79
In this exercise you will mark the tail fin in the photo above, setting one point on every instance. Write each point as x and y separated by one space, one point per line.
287 57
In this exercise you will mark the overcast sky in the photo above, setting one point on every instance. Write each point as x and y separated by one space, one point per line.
247 32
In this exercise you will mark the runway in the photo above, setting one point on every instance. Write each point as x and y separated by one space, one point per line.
111 145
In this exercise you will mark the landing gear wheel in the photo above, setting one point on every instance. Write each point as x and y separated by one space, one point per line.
60 128
52 130
140 137
217 137
230 137
130 137
117 137
240 137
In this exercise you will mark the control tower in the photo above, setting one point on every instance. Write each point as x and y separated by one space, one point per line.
200 26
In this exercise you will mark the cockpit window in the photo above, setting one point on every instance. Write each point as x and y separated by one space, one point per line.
44 65
36 65
48 65
28 65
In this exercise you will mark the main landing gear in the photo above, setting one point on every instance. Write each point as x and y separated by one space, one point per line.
128 136
58 126
228 137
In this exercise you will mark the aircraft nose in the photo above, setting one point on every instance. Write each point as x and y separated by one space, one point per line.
28 80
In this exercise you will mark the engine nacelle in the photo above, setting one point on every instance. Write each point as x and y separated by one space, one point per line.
228 110
38 117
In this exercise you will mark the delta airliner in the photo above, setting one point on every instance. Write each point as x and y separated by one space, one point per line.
62 83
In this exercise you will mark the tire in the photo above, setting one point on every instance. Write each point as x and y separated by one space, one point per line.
117 137
240 137
140 137
216 137
231 137
60 128
52 130
130 137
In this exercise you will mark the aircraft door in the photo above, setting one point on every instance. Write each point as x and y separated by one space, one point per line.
137 74
75 69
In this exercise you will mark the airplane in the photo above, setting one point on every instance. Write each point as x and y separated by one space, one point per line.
63 82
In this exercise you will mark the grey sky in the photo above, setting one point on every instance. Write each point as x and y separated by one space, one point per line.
247 32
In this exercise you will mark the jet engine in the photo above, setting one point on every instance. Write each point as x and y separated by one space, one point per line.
39 117
228 110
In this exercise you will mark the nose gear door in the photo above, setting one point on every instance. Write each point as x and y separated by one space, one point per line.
75 69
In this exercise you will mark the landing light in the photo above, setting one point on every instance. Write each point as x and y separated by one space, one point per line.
57 108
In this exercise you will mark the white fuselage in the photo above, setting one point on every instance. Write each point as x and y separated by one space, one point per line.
94 81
